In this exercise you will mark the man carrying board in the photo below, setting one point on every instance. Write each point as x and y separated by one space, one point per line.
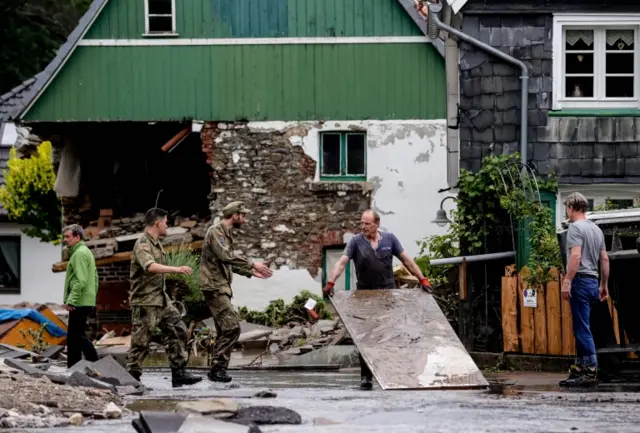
372 252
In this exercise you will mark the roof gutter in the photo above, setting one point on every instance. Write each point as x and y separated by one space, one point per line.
434 25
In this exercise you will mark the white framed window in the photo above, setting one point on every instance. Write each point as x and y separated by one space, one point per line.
600 197
160 17
596 61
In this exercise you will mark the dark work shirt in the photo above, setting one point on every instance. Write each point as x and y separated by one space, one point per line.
374 269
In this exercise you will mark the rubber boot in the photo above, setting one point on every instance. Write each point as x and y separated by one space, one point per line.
135 374
180 377
219 375
366 383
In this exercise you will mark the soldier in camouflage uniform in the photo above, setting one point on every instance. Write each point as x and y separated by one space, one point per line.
151 307
217 265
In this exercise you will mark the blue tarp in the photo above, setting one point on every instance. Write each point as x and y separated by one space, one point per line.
36 316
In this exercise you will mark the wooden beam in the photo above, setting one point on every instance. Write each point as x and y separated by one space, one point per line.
120 257
176 139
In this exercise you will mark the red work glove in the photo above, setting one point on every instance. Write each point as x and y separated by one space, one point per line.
426 285
328 289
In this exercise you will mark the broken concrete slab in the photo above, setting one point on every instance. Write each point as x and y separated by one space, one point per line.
259 344
306 348
119 353
246 326
8 351
323 327
345 356
81 379
254 335
52 352
129 390
201 424
108 367
159 422
25 367
219 408
266 415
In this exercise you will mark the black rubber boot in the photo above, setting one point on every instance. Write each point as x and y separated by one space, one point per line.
180 377
366 383
219 376
136 374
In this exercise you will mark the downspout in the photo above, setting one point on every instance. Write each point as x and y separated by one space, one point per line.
434 25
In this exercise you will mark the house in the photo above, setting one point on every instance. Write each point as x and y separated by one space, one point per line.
25 262
308 111
584 97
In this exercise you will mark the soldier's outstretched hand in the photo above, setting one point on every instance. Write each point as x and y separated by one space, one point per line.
185 270
258 275
262 269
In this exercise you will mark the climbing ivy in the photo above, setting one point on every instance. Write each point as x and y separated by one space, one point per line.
493 201
28 195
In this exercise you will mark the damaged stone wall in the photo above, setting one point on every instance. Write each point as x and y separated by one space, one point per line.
292 217
580 150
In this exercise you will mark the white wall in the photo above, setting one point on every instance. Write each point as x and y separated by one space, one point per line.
38 283
407 165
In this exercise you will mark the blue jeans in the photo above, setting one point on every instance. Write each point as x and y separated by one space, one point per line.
584 292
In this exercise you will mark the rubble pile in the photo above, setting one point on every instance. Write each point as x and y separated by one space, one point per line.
119 235
295 338
38 392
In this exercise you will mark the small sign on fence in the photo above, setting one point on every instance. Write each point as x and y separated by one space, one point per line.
530 298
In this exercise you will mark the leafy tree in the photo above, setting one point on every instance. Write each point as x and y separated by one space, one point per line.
31 31
28 195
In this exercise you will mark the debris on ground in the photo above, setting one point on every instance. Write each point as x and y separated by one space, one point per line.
224 415
28 401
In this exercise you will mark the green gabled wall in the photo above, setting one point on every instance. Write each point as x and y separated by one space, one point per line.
258 82
124 19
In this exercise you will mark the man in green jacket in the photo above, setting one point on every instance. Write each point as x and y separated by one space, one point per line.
80 290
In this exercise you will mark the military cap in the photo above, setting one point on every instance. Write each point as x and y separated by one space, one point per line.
234 207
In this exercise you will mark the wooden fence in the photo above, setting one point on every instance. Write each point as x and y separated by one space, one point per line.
543 327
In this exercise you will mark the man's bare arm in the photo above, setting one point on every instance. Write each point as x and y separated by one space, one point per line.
604 268
574 262
157 268
338 269
411 265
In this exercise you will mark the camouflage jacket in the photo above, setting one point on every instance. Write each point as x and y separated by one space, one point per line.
147 288
218 261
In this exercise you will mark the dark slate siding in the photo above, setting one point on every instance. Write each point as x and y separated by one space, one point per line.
490 88
578 150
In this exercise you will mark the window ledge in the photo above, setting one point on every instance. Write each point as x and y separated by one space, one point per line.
597 112
160 35
342 185
9 291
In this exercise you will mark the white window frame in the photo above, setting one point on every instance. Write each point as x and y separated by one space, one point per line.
147 31
598 193
599 23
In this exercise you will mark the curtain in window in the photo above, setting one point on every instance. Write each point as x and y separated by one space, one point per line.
10 251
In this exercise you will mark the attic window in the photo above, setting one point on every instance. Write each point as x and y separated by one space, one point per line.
160 16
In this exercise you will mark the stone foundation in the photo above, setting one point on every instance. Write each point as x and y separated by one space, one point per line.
292 217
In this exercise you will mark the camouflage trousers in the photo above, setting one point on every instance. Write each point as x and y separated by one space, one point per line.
147 321
227 325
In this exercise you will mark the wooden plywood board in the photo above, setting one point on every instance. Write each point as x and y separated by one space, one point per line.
406 340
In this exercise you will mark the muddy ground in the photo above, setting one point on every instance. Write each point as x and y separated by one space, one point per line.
532 406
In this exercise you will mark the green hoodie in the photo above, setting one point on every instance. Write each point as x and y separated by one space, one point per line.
81 280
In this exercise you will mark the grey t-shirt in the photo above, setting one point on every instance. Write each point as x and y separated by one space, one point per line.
374 269
587 235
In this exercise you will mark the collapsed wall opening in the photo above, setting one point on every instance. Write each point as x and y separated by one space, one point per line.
129 168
